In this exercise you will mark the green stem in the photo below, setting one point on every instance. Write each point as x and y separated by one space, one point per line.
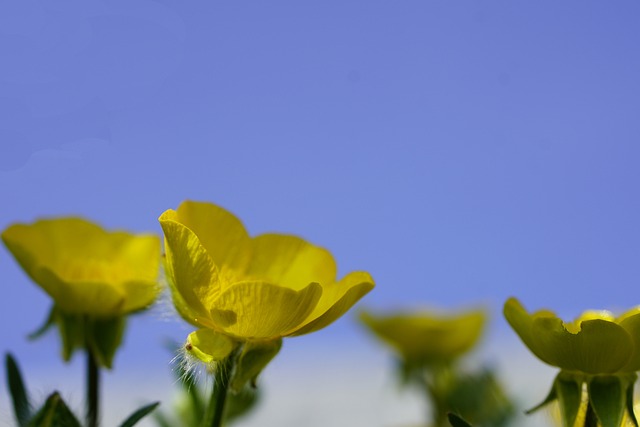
590 419
93 386
436 385
215 411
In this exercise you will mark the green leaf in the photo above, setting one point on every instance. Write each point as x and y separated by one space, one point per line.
479 398
608 399
48 323
139 414
54 413
104 336
457 421
254 358
21 406
569 392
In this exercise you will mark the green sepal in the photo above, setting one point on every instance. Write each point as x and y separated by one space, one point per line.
239 404
457 421
630 402
255 356
139 414
19 396
71 329
104 336
608 397
48 323
569 393
553 395
101 336
54 413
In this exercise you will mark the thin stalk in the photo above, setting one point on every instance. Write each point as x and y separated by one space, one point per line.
93 387
215 411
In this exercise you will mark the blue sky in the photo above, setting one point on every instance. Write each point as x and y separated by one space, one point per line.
462 152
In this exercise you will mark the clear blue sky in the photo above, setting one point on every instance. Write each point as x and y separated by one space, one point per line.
461 152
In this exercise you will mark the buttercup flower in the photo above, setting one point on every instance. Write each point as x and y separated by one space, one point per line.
249 289
425 338
595 343
85 269
597 349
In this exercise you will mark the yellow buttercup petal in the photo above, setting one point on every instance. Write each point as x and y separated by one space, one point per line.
425 338
140 257
337 299
76 261
593 344
290 261
630 321
96 298
259 310
600 347
209 346
190 271
522 322
219 231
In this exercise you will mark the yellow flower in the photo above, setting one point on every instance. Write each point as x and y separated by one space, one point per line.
85 269
424 338
598 355
251 289
595 343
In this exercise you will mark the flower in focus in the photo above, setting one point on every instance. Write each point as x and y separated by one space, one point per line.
237 288
425 338
94 277
597 352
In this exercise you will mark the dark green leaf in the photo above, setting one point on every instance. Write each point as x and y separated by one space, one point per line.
139 414
21 406
457 421
54 413
479 398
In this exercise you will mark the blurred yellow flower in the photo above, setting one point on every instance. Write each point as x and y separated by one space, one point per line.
250 289
85 269
595 343
426 338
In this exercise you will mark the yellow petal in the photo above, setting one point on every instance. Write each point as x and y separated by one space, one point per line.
95 298
219 231
70 255
600 347
208 345
424 338
191 273
259 310
630 321
290 261
522 323
337 299
40 243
